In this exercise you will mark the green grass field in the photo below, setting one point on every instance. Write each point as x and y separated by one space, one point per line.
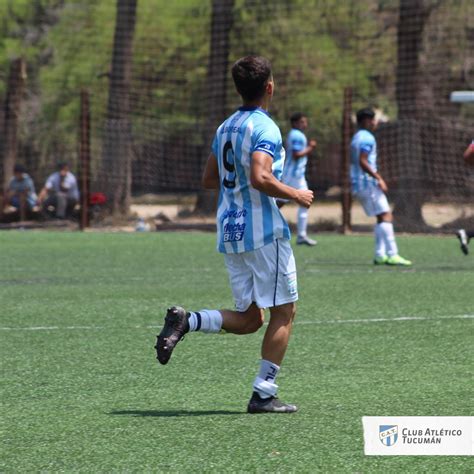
82 391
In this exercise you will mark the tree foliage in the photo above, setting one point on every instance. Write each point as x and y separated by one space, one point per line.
317 47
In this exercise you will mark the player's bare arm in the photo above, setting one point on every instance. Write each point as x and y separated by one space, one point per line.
306 151
210 176
364 164
42 195
469 155
262 178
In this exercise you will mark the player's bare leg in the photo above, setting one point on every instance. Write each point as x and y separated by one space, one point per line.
278 332
178 322
245 322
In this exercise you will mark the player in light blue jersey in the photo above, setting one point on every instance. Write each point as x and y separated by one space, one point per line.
297 151
246 164
369 188
247 218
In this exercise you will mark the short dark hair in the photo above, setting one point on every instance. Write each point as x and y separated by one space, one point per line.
296 117
19 169
62 165
251 75
363 114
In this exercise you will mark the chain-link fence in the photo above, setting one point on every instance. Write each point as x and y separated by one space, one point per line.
158 75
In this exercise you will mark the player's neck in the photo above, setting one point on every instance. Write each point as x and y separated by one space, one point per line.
255 104
262 103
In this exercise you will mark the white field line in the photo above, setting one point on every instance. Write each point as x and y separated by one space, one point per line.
297 322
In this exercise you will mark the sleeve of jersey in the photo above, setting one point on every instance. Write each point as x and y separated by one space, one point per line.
366 146
265 141
297 144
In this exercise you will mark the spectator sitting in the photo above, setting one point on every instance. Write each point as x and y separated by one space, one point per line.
21 191
60 191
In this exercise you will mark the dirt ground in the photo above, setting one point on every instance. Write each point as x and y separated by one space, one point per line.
324 215
167 215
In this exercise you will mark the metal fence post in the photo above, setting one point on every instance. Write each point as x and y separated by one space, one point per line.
346 199
84 158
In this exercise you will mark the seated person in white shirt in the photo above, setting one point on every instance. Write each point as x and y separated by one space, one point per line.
60 191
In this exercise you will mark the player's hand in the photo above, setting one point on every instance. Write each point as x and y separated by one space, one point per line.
304 197
313 144
383 185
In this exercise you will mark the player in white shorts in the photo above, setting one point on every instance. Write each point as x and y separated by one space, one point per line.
297 151
246 165
369 188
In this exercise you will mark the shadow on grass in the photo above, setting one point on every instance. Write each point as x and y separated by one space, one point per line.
174 413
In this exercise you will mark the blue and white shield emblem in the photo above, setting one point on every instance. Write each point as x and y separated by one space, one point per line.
388 434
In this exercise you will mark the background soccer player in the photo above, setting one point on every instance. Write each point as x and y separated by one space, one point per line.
297 151
245 165
463 235
370 188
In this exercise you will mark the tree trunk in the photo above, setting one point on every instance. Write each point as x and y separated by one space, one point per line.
409 196
117 152
9 140
412 19
216 93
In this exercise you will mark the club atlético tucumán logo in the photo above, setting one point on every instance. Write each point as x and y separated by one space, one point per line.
388 434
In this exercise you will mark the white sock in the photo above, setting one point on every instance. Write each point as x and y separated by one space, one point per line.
379 241
389 237
206 320
264 383
302 221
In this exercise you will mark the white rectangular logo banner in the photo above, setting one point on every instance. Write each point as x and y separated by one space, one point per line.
418 435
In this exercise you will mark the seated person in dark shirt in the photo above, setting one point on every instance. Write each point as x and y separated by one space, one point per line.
21 189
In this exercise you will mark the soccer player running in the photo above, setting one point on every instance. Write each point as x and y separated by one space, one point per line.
245 165
463 235
297 151
370 188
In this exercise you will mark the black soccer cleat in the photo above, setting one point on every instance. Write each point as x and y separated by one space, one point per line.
176 326
463 240
269 405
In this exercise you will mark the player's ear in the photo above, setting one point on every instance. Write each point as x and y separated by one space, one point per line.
270 87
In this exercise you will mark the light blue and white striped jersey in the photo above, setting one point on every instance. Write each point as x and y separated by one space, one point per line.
363 141
295 169
247 219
